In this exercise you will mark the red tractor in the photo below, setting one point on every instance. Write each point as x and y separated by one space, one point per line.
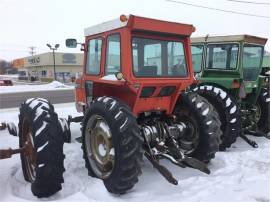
132 96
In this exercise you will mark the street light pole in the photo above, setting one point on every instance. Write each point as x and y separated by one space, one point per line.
53 49
54 71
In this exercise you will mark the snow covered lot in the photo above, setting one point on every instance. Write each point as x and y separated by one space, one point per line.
9 76
241 174
55 85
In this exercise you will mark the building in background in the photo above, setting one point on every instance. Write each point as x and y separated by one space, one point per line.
40 67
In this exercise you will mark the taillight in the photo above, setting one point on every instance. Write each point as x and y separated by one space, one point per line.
235 83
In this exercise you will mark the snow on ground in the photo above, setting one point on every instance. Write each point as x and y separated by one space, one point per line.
241 174
55 85
9 76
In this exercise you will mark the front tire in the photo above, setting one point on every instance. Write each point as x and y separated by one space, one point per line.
112 145
194 110
43 163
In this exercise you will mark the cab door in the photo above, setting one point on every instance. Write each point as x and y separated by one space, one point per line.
92 71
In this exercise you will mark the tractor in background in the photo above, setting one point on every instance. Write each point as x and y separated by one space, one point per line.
133 103
228 71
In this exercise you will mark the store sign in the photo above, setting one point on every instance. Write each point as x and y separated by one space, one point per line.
69 58
18 63
34 60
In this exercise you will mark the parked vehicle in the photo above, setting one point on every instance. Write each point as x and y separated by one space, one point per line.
24 74
228 70
6 82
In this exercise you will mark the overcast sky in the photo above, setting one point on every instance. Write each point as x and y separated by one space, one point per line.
25 23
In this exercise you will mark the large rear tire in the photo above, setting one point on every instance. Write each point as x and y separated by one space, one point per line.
228 111
263 103
112 145
40 131
198 114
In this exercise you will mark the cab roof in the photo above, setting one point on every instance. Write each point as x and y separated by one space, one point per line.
230 38
136 23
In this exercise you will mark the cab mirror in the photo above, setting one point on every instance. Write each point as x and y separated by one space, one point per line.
71 43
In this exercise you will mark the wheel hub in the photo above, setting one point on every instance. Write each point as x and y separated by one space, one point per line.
30 154
99 146
190 140
258 113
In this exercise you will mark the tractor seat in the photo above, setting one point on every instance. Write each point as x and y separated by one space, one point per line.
150 71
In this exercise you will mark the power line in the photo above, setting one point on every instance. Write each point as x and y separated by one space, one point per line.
249 2
217 9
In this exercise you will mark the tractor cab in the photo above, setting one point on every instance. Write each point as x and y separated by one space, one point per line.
234 62
144 62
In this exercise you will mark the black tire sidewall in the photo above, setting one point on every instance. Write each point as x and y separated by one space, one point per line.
209 135
50 160
230 130
124 168
264 104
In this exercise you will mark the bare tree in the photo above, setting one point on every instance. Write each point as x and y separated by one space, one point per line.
4 66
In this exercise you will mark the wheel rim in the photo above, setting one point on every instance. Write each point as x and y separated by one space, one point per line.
99 146
190 140
30 154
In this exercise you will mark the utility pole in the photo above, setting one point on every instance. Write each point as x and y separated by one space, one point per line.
32 52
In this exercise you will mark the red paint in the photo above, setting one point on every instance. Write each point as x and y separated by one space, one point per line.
124 90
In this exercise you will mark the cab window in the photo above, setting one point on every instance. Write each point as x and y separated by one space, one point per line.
158 58
113 54
197 57
94 56
252 59
222 56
